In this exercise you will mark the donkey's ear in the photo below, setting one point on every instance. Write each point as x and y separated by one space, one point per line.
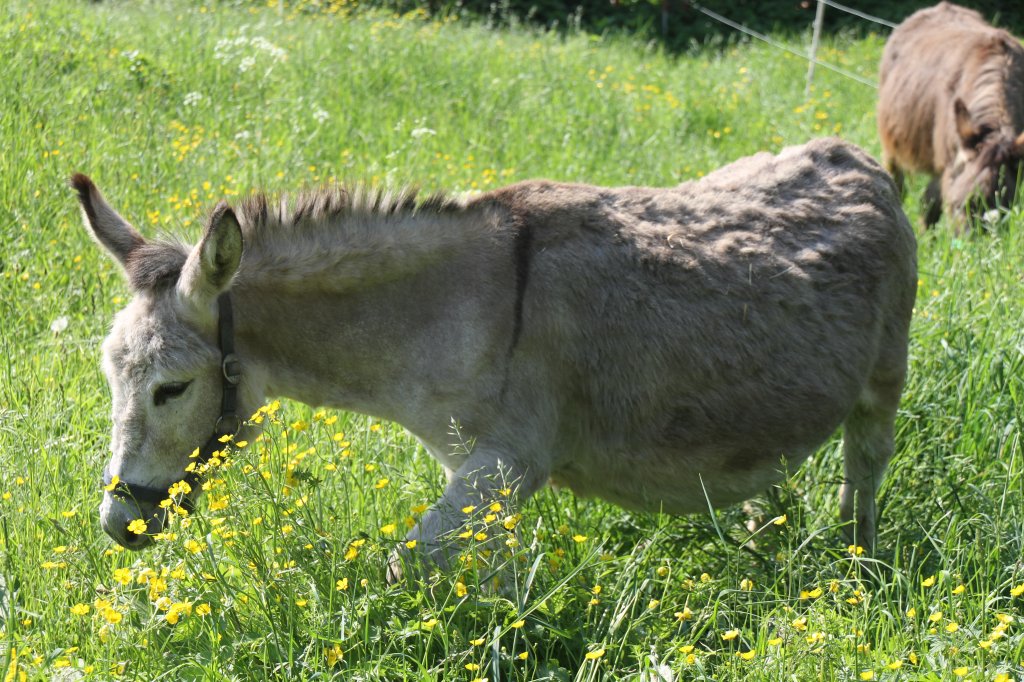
213 262
113 232
965 128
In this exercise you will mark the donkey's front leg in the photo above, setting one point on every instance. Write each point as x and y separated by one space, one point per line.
489 475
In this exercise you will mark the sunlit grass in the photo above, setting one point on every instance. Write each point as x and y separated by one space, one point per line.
171 106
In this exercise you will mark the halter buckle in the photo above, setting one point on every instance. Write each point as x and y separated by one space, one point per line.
233 419
231 368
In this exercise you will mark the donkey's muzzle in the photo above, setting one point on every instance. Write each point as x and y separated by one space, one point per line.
120 519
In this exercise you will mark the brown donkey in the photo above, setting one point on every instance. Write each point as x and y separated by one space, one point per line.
659 348
951 104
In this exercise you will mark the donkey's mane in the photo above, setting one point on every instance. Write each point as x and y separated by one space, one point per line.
996 95
316 208
315 225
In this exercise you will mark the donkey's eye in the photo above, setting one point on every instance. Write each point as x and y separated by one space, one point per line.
165 392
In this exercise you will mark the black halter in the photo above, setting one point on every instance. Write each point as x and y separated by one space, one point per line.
228 423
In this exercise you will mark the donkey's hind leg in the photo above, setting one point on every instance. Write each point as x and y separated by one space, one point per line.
868 443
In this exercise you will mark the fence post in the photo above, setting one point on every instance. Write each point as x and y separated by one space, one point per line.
819 17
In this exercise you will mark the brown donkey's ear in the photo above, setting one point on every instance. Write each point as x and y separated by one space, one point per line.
213 262
109 229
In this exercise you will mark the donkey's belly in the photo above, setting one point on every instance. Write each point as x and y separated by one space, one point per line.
676 483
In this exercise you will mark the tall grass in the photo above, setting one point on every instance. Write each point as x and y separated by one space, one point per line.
171 106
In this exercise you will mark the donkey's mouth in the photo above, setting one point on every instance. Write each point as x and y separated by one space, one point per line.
129 524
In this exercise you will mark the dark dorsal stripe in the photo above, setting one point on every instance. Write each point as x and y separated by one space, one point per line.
522 254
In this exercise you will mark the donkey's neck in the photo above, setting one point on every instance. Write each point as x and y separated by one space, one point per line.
387 319
305 246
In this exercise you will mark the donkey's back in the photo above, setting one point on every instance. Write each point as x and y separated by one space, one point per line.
686 341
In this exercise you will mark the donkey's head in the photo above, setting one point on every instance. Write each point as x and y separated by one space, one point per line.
162 360
986 169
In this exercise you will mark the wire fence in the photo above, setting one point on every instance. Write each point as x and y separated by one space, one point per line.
811 56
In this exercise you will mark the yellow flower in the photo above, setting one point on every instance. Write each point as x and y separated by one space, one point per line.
775 641
477 642
181 487
334 654
780 520
193 546
653 604
523 656
815 637
928 582
122 576
518 624
388 529
138 526
594 655
730 635
382 483
685 614
460 589
952 627
855 550
895 665
961 671
114 480
1017 591
867 675
1002 677
341 585
800 623
112 616
813 594
579 538
935 616
411 544
80 609
747 655
429 623
911 612
746 584
959 589
203 610
351 553
468 509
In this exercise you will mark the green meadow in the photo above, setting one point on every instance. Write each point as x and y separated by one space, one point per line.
172 106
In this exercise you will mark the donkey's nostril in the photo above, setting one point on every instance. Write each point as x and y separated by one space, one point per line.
132 540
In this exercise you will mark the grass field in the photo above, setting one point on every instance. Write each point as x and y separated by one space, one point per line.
173 105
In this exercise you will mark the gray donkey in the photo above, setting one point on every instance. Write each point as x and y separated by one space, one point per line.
660 348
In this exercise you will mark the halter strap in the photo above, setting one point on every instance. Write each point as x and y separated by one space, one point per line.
228 422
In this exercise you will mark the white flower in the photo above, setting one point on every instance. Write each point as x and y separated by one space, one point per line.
320 115
417 133
59 325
